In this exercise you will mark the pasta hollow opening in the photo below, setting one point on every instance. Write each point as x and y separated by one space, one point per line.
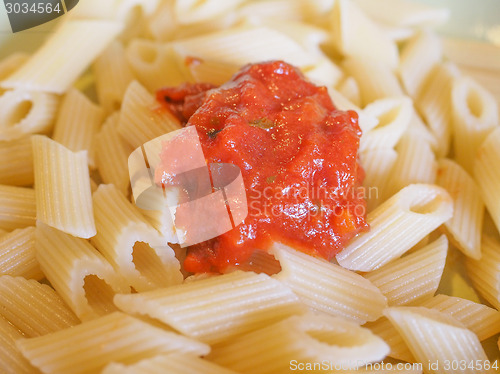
343 339
19 112
474 103
147 53
147 262
426 206
99 294
388 118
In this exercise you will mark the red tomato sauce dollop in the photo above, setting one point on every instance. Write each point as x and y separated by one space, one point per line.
298 156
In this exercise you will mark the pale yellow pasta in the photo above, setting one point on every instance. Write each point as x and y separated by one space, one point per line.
327 287
413 277
11 359
349 88
156 65
17 255
112 155
418 58
323 73
483 320
31 306
78 272
416 163
185 363
142 118
214 72
487 175
16 168
192 11
134 248
119 10
356 35
485 273
116 337
375 79
466 225
434 104
113 74
243 45
11 63
58 63
486 55
385 330
231 304
301 339
394 115
62 181
17 207
397 225
434 337
475 115
378 163
77 123
24 112
404 12
489 79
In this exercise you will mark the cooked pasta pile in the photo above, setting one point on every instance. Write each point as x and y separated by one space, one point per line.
87 282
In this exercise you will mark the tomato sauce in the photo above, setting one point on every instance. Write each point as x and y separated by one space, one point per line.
298 156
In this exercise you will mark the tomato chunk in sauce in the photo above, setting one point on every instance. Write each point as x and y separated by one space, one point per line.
298 156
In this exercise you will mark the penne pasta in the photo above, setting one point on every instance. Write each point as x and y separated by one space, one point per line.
328 288
231 305
56 65
156 65
11 359
77 123
434 104
418 57
414 277
355 35
376 80
349 88
479 318
132 246
243 45
484 273
434 337
192 11
378 163
31 306
17 257
24 112
113 74
116 337
78 272
404 13
416 163
487 176
475 115
394 115
112 155
11 63
16 168
17 207
63 198
465 226
301 339
486 55
386 331
396 226
142 118
187 363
